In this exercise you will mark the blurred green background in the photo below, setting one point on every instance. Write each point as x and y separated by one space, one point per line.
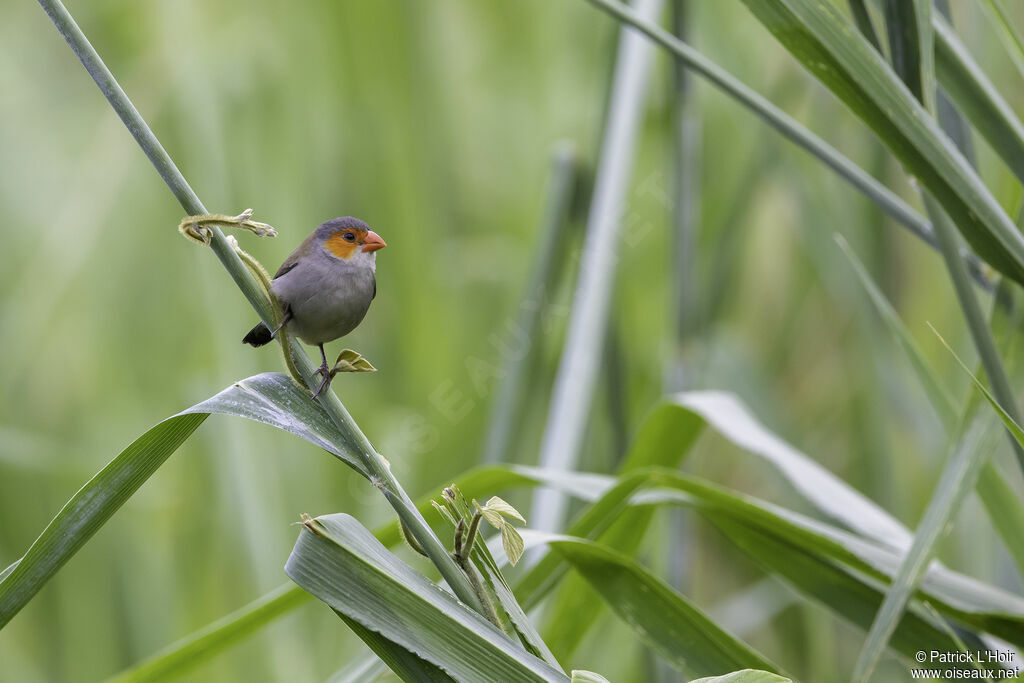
435 122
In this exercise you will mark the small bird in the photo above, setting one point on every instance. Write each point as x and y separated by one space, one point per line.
325 286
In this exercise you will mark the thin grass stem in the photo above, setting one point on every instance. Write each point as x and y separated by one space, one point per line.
887 200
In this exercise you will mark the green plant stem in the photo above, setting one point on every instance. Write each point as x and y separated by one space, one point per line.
960 474
979 99
588 323
887 200
375 466
489 611
981 332
1011 41
686 127
981 335
862 18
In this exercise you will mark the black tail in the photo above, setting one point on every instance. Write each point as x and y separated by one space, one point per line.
258 336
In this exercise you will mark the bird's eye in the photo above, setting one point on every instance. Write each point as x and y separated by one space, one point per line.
349 236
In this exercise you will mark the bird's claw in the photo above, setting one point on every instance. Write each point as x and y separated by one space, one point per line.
327 375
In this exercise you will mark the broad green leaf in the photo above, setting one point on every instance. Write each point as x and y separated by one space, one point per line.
837 568
724 413
745 676
682 634
978 98
831 48
340 562
662 440
908 26
982 606
594 520
956 591
401 661
861 17
971 601
274 399
270 398
844 592
225 632
841 570
89 509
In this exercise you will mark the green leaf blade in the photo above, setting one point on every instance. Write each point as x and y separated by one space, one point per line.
340 562
830 47
682 634
89 509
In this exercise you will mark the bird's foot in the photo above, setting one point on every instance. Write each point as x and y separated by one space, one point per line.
327 374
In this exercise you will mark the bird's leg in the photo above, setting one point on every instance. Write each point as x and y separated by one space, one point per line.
284 319
325 371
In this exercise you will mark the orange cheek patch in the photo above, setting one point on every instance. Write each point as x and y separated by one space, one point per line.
340 247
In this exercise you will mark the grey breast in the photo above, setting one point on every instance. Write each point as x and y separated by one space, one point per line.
328 297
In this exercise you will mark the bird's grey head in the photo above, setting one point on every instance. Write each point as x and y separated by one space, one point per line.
349 240
335 225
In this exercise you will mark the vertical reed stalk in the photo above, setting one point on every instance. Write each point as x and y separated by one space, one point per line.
588 322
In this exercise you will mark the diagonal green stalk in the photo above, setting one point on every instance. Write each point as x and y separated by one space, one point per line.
862 18
908 25
375 466
1007 34
790 128
981 334
974 441
978 97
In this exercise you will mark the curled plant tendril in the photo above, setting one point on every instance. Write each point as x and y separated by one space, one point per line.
193 228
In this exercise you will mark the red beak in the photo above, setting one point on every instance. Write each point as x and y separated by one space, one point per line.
373 242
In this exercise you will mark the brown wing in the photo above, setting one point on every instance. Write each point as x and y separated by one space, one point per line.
286 266
293 258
